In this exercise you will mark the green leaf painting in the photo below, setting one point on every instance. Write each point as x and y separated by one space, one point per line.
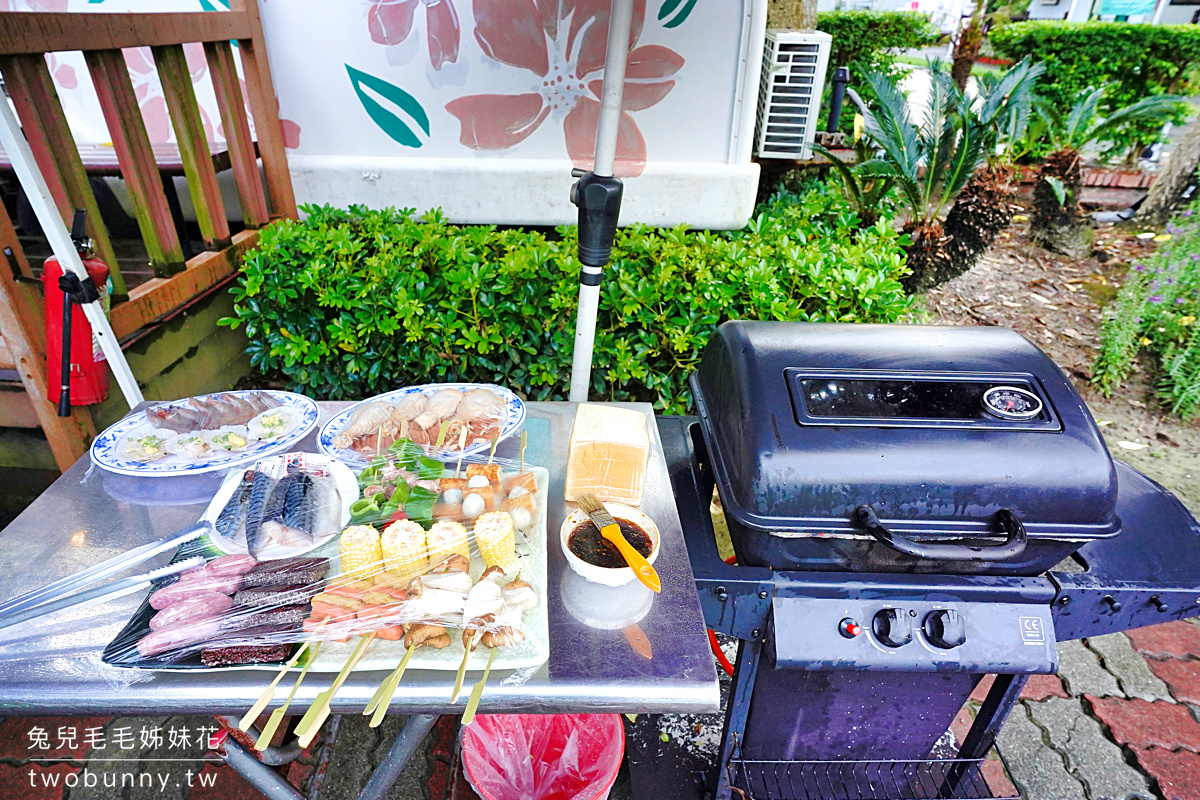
207 5
673 13
388 121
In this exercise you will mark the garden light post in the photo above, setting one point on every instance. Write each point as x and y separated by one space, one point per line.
598 195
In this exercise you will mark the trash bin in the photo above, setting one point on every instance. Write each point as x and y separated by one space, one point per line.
543 756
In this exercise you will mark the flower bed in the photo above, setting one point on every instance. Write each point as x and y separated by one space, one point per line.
1157 309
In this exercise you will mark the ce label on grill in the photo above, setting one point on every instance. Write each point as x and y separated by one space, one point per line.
1032 631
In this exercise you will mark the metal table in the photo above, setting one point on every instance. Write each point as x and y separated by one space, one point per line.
78 522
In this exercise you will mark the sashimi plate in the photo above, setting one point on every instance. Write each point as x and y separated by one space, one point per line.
514 418
276 467
105 449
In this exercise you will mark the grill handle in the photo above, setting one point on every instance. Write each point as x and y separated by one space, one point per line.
1012 546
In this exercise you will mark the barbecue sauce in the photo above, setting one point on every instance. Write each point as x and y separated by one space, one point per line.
587 543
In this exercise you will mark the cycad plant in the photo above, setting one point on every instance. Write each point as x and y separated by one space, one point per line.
1001 113
930 163
1058 223
867 193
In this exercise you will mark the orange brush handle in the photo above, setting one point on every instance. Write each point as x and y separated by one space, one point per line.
636 561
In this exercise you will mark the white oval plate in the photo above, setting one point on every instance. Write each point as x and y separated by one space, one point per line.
104 447
514 410
276 467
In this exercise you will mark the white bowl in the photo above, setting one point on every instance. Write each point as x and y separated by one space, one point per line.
608 576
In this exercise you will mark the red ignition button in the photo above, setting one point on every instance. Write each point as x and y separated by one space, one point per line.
849 628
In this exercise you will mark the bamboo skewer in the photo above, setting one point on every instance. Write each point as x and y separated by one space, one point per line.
495 441
391 683
476 693
269 693
462 670
319 710
524 441
462 443
268 731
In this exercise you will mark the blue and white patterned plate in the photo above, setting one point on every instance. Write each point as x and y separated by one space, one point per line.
514 418
104 447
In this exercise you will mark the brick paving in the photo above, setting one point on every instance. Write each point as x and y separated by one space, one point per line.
1123 723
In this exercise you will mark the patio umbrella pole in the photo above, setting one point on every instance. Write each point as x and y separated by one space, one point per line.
598 195
60 242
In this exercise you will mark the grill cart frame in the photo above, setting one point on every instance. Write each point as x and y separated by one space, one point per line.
1147 575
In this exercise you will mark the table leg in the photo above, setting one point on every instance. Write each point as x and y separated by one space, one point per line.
272 756
185 241
402 750
256 773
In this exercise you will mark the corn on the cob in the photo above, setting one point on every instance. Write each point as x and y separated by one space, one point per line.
496 538
359 551
404 548
446 538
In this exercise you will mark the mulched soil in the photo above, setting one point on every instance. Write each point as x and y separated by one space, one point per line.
1058 304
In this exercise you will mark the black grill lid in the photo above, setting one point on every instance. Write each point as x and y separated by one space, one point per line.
936 428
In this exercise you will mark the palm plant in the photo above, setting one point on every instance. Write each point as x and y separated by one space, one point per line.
930 163
866 193
1058 222
1001 113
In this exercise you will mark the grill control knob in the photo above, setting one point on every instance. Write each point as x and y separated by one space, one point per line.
945 629
892 627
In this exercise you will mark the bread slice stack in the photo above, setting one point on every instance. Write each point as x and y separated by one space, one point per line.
607 454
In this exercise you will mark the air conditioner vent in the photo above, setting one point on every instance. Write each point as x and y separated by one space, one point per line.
789 100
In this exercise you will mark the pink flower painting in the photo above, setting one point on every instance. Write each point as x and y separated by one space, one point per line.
562 42
391 21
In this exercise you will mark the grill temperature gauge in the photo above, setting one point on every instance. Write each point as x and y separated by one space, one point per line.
1012 402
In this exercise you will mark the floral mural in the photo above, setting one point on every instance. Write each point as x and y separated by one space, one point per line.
391 21
562 43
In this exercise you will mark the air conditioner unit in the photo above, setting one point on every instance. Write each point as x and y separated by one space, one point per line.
789 99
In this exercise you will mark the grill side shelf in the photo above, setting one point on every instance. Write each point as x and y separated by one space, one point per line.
1148 574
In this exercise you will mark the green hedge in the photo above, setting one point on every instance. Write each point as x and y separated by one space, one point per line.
1140 60
868 38
346 304
869 41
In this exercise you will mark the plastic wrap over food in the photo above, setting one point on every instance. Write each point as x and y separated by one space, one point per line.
203 427
416 564
67 646
282 506
607 454
440 419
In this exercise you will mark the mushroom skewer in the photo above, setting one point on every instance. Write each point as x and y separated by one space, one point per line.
483 603
517 596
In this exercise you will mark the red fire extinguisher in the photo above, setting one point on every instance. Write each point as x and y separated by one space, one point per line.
82 369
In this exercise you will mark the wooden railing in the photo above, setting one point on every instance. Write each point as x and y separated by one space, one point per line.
25 39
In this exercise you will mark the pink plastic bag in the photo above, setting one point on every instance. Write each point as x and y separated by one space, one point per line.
543 756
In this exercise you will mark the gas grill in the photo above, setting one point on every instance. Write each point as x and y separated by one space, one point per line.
912 508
